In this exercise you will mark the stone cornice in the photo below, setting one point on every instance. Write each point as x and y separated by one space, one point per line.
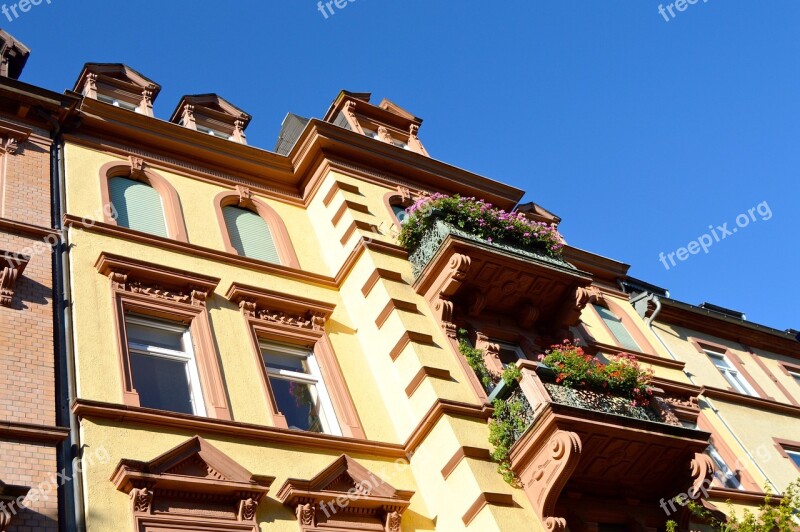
33 433
754 402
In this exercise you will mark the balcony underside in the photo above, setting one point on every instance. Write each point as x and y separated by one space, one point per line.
575 462
466 276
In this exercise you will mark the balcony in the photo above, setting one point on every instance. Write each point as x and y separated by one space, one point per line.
459 273
586 459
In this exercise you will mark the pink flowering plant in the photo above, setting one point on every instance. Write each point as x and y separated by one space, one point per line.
621 377
480 219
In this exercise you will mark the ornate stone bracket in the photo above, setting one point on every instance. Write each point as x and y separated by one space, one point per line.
457 270
702 472
548 474
573 306
245 197
137 167
414 142
349 111
11 136
12 265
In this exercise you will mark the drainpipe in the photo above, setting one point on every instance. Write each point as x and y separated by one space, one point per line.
649 322
72 511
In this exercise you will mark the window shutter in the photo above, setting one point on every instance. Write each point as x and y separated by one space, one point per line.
617 328
250 235
138 206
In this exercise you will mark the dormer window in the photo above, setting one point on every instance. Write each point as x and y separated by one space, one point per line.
212 115
118 85
118 103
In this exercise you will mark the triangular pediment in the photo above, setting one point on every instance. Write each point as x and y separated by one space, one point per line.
211 105
198 458
117 74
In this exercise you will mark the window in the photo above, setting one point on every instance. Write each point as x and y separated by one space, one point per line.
794 456
724 474
796 376
118 103
163 366
298 388
509 354
213 132
250 234
731 374
138 206
617 328
400 213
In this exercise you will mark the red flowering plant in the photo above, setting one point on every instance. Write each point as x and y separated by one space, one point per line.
480 219
621 377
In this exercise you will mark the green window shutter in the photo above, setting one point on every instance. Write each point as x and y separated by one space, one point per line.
617 328
250 235
138 206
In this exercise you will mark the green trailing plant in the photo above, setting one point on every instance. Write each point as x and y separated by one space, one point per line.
508 421
769 517
475 360
480 219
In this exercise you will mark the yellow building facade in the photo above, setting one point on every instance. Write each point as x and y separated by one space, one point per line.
255 351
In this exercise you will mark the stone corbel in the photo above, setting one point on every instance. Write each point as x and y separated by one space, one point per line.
12 267
393 520
528 315
384 135
574 304
137 167
245 197
350 115
552 467
141 500
188 117
413 140
11 136
457 270
306 515
702 473
146 105
238 130
444 310
90 88
247 509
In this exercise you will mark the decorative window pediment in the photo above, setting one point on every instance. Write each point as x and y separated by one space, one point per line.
11 268
279 309
345 492
156 282
192 484
213 115
118 85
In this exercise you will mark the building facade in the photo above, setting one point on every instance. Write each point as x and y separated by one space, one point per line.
34 445
252 349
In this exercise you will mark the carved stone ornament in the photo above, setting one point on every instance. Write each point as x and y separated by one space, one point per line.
137 166
312 321
665 411
306 514
384 135
141 499
552 467
159 292
11 268
245 197
393 520
11 145
573 306
444 309
702 473
248 509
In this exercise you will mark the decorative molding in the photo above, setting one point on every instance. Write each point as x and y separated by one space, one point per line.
156 282
194 474
11 268
487 499
11 136
368 497
281 309
552 466
424 373
475 453
28 432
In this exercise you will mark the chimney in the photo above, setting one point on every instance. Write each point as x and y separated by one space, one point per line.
13 56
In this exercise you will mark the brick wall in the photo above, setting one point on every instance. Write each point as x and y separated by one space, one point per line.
27 357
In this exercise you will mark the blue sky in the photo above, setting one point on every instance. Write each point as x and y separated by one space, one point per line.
640 133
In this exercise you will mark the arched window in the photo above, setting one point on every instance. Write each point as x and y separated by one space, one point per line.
138 206
250 234
251 228
400 213
142 199
398 203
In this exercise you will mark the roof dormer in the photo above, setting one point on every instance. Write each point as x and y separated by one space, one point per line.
210 114
118 85
13 56
386 122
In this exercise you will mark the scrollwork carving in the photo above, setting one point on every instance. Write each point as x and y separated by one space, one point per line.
248 508
551 468
393 520
142 500
306 514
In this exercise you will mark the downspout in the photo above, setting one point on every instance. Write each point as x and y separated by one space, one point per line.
649 322
72 491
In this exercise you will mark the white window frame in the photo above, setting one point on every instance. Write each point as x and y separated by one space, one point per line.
187 356
213 132
724 470
330 424
731 374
